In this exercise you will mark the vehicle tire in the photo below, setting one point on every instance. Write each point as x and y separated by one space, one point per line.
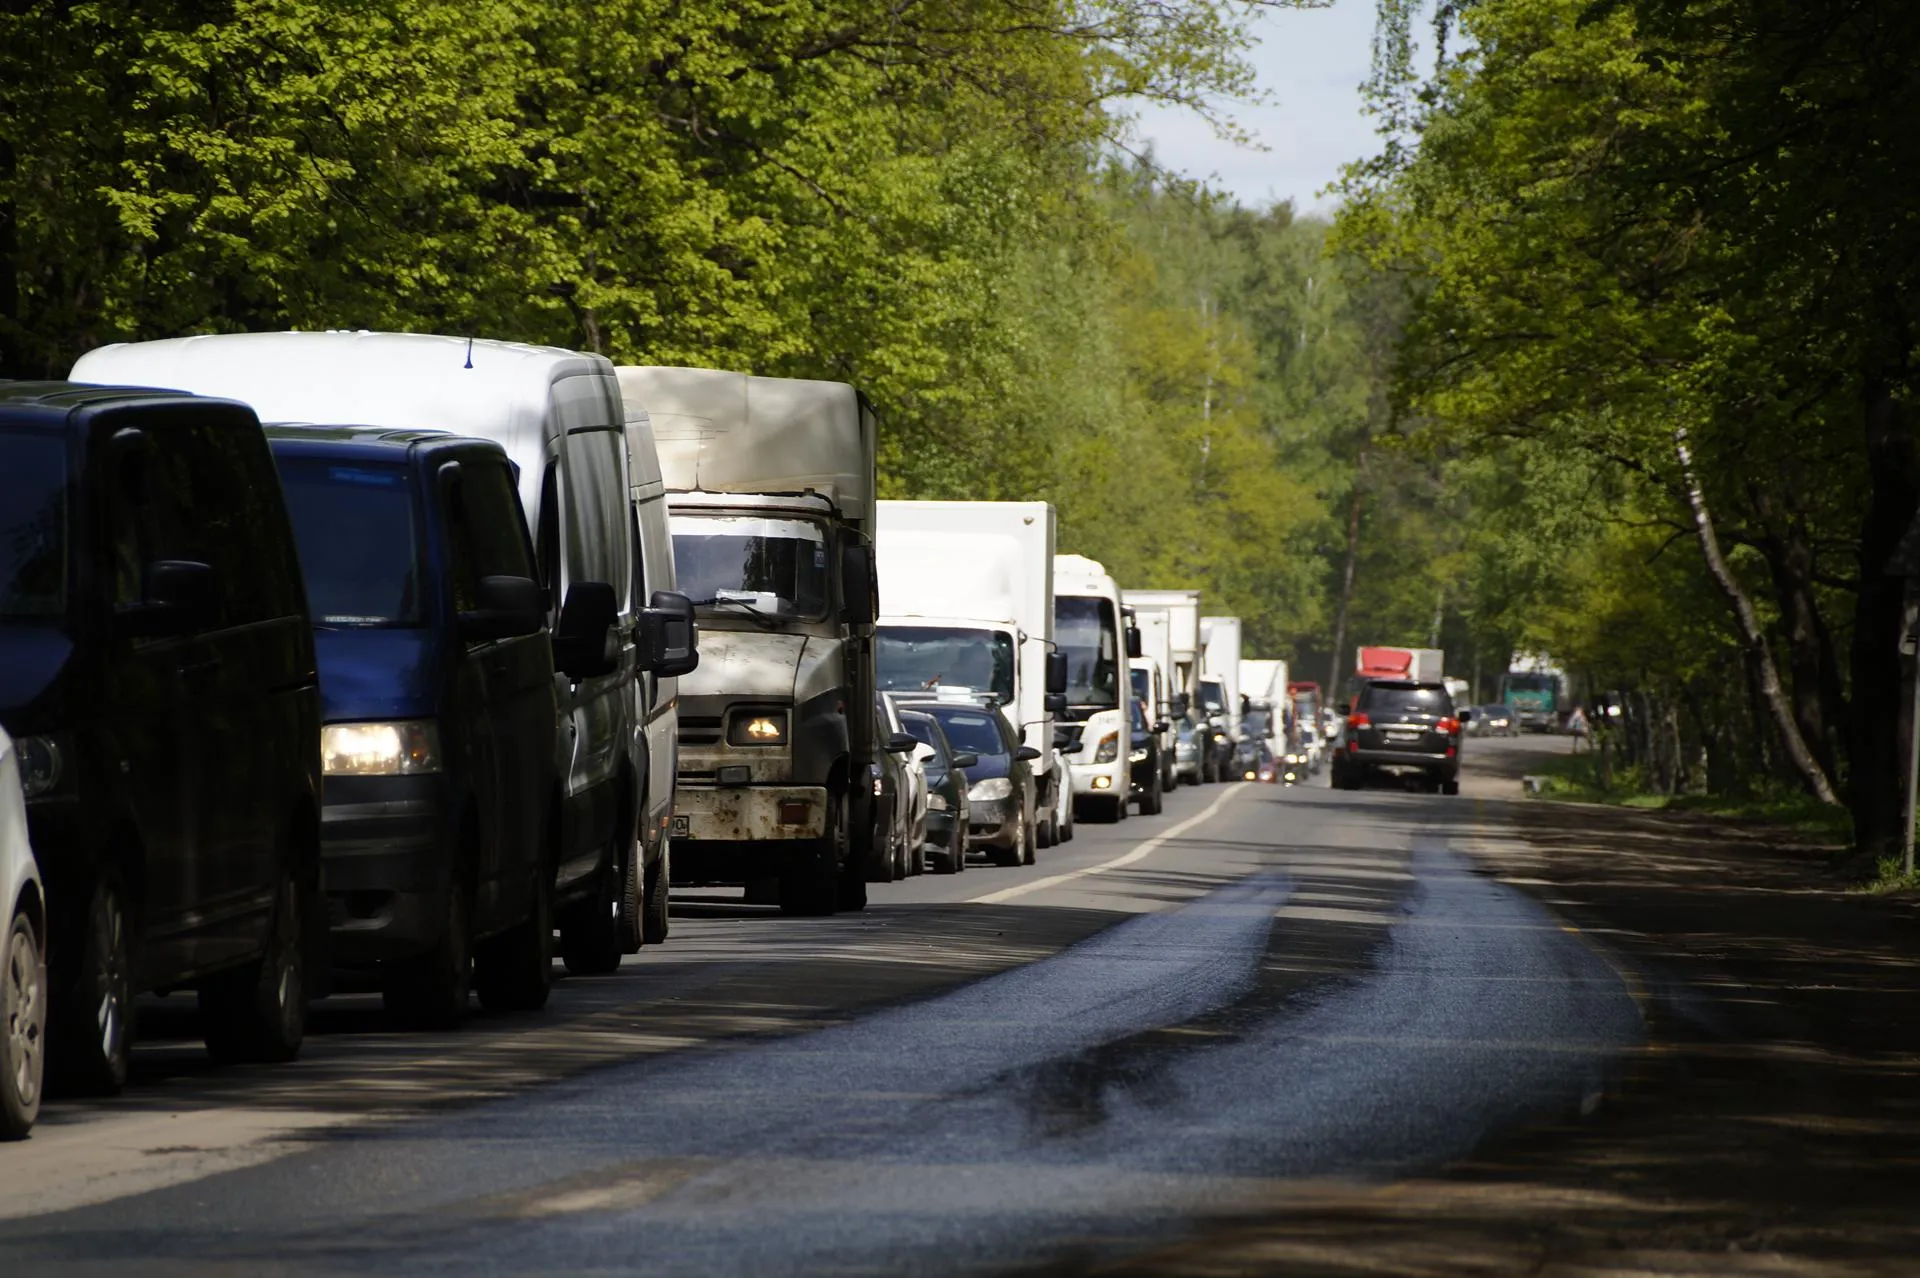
1028 838
1066 827
258 1012
1043 835
1450 787
590 932
814 892
1153 801
429 990
23 1033
1122 809
656 920
513 972
633 933
93 1014
954 858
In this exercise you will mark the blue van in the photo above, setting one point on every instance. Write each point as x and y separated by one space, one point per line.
441 802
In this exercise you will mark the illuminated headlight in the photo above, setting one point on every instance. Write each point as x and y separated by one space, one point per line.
936 803
1138 756
1109 748
1103 783
41 766
758 728
991 789
404 749
1221 737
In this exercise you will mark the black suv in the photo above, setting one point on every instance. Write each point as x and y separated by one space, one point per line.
1404 726
157 669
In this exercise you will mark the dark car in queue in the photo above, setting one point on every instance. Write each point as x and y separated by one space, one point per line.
1401 726
1000 793
1187 749
157 673
441 798
1146 773
1494 721
948 808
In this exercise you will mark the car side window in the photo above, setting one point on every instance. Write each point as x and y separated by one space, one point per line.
486 531
235 490
143 483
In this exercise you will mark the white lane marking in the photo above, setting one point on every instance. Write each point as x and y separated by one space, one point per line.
1140 852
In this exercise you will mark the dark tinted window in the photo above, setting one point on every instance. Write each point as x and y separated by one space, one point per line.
33 525
231 502
486 533
1405 698
358 537
1139 716
973 731
927 732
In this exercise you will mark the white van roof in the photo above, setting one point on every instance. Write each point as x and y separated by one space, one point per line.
491 389
725 432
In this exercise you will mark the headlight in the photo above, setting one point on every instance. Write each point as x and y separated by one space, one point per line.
757 728
990 789
1108 749
1138 756
936 803
405 749
41 765
1220 737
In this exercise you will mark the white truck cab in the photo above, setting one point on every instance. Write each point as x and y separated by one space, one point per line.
1089 627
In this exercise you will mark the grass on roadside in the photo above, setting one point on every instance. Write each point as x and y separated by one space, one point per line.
1576 778
1891 878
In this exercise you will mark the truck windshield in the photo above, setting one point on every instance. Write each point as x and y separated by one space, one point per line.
1142 684
915 658
1213 696
355 527
33 526
1085 629
733 563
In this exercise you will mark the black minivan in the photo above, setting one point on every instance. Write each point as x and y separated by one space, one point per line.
441 802
157 670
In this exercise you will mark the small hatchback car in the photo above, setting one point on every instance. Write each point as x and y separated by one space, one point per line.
1403 726
157 674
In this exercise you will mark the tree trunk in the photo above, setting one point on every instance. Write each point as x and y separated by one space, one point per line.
1876 783
1819 704
1788 730
1335 682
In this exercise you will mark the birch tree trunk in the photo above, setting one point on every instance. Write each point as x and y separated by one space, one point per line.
1804 764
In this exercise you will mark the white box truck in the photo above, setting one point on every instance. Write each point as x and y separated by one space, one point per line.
966 600
1182 611
1264 680
1220 689
1096 732
770 486
1153 678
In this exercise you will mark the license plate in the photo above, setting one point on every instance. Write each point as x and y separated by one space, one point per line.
1403 736
682 826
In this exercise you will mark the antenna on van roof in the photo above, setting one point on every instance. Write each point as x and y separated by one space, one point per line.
469 363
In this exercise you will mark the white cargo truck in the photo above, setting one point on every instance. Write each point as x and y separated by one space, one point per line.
1153 678
770 484
966 601
1264 681
1220 687
1181 608
1096 731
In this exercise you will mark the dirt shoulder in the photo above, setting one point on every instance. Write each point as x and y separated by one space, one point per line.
1771 1127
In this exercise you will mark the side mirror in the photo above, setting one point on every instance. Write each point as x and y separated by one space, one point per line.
504 608
857 583
965 761
1056 673
178 595
1133 641
902 743
583 643
1025 754
1466 716
669 639
1161 725
1054 702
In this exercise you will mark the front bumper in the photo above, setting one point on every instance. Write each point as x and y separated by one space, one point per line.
386 848
993 822
1100 780
732 834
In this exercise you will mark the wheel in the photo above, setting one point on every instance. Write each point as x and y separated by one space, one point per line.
954 858
23 1049
1122 809
513 972
1066 820
1043 835
92 1012
1153 801
633 933
1450 787
429 990
258 1012
656 921
896 858
1027 840
1015 855
590 932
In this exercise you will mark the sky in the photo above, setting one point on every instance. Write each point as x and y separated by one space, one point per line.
1311 63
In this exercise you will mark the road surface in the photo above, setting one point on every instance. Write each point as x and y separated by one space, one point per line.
988 1071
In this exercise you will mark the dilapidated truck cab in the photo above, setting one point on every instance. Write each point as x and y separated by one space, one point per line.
770 488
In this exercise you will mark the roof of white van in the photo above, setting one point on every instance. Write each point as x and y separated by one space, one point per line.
726 432
414 380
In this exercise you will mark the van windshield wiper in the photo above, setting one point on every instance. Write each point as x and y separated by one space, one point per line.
763 620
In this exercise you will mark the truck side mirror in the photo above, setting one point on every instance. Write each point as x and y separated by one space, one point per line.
857 583
1054 703
1025 754
902 743
1057 674
1133 641
669 641
583 642
177 597
504 608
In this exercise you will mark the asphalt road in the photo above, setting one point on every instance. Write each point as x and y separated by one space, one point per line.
987 1071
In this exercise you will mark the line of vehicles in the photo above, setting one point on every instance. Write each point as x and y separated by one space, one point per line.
475 650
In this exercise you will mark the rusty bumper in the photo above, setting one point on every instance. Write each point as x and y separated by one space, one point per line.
751 813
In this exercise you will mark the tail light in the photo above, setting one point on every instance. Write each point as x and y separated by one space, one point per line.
1450 726
1358 719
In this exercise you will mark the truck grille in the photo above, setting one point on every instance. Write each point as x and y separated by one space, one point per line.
700 730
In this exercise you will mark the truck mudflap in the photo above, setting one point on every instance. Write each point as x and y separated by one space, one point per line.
750 814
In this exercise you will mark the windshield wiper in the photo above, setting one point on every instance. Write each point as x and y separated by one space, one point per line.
764 621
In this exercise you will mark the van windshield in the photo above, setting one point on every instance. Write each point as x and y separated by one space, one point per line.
733 563
916 658
355 526
33 525
1085 628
